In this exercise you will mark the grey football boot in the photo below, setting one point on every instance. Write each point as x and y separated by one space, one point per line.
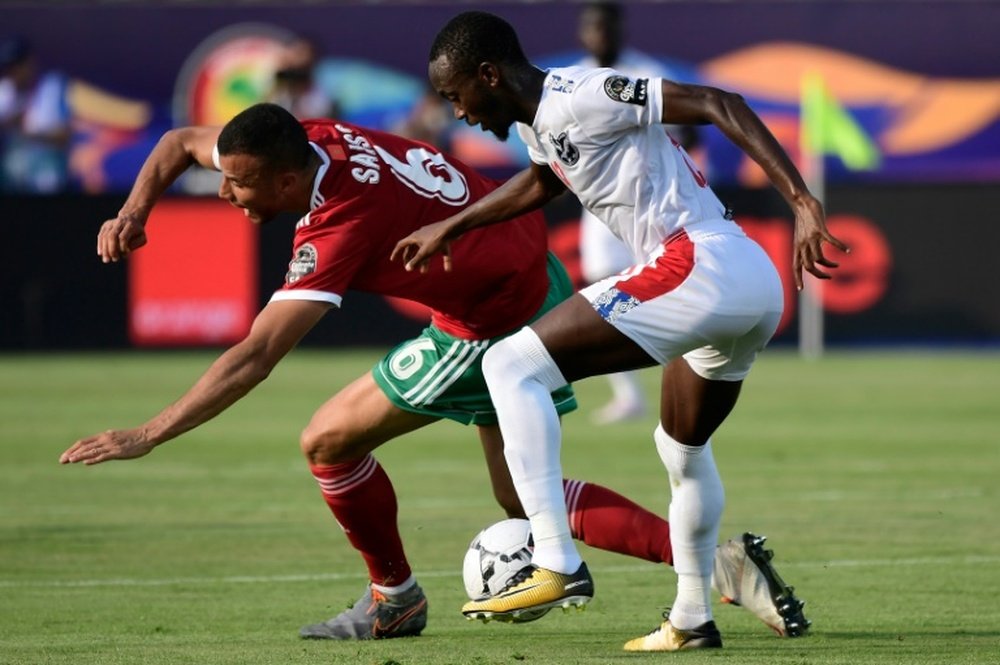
375 616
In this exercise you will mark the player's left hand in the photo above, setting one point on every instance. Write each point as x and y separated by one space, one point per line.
119 236
109 445
810 234
416 249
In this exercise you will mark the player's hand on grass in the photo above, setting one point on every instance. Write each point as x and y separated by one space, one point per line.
810 234
416 249
109 445
120 235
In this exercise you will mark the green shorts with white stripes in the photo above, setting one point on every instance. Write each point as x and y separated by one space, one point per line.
441 375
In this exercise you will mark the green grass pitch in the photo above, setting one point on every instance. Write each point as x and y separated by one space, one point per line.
875 475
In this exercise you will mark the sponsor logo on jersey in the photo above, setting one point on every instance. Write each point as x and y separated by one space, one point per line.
559 84
302 264
568 153
621 89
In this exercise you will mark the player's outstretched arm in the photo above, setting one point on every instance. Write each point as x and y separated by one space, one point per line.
526 191
695 104
276 330
173 154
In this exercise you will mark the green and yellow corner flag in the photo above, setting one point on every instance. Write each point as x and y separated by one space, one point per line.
829 129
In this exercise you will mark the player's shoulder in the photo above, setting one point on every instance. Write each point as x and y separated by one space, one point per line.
568 87
569 80
589 88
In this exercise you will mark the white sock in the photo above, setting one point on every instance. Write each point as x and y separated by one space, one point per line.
696 501
521 375
398 589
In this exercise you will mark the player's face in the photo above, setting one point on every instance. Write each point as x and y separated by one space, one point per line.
473 98
246 184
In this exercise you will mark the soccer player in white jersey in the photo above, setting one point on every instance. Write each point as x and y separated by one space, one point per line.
602 254
704 303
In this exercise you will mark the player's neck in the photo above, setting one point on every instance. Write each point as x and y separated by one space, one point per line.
304 196
528 84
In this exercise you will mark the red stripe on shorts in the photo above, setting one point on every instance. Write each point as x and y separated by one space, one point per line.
670 270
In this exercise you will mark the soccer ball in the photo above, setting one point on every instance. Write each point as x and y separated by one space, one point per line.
495 555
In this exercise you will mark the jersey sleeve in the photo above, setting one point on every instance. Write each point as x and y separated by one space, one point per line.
328 252
530 140
609 102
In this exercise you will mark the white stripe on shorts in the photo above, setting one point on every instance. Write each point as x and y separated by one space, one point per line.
459 371
445 372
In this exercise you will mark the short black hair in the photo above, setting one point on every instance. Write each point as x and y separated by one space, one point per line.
472 38
269 132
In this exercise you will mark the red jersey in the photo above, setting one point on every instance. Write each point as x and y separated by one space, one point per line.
372 190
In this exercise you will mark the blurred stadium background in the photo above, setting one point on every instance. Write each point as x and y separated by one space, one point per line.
920 78
874 466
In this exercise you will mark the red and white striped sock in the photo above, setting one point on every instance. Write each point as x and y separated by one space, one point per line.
363 501
605 519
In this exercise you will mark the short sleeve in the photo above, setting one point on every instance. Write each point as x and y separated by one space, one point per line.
530 140
608 102
329 250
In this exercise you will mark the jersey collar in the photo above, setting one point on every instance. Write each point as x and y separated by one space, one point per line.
318 199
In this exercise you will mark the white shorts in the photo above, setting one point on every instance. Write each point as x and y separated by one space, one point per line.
709 293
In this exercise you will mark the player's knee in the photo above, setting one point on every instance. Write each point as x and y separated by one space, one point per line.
326 444
510 361
499 362
518 360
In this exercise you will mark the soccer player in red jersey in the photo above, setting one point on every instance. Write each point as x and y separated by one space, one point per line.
359 191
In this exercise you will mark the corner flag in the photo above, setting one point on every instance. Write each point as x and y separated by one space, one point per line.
829 129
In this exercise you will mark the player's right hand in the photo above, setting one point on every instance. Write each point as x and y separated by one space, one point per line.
119 236
416 249
109 445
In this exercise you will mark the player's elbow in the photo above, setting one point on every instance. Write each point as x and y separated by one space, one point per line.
726 107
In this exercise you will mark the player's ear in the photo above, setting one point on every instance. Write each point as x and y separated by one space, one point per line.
489 74
288 181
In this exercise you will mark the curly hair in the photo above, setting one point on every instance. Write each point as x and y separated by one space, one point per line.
269 132
475 37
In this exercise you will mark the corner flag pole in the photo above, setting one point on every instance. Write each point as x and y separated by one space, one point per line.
811 334
825 127
811 296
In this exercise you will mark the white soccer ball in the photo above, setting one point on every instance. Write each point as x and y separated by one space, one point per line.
495 555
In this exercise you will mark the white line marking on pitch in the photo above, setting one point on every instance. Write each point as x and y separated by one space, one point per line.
332 577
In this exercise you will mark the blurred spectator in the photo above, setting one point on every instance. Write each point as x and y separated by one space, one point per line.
602 254
295 88
35 117
57 131
430 120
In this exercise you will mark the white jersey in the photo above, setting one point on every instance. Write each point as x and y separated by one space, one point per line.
601 133
601 252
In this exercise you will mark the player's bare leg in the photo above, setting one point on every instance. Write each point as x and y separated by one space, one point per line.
338 443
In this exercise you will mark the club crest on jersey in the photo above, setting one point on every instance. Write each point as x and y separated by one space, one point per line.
568 153
302 264
621 89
